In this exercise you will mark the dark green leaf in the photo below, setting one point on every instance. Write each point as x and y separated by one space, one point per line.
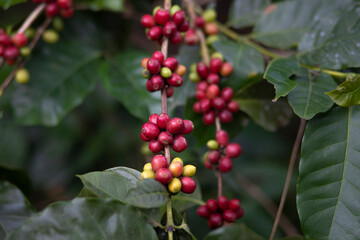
246 13
284 27
233 232
292 238
334 42
308 97
247 62
270 115
13 146
8 3
85 219
14 208
328 186
112 5
182 201
122 78
347 93
124 184
278 73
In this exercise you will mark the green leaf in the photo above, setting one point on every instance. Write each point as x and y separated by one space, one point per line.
247 62
14 208
8 3
269 115
333 42
233 232
122 78
292 238
284 27
278 73
13 146
308 97
124 184
183 201
112 5
347 93
244 13
85 219
328 189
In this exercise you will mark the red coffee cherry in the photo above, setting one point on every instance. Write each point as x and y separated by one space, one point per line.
157 82
11 62
215 220
225 164
154 33
176 168
197 107
188 185
213 78
202 70
227 94
163 175
202 86
153 65
65 3
159 56
229 216
211 28
179 143
218 103
176 38
155 146
2 50
199 95
149 86
147 21
169 91
215 65
169 29
209 117
208 164
150 130
66 12
202 211
165 138
213 156
211 205
199 22
225 116
11 53
175 80
5 40
205 104
222 138
212 91
179 17
51 9
188 127
184 27
162 16
158 161
19 39
144 138
233 106
234 204
171 63
153 118
162 120
239 212
175 125
223 203
226 69
233 150
190 37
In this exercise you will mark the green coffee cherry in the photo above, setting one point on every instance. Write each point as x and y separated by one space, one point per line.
209 15
146 74
30 33
193 67
22 76
145 149
174 9
25 51
1 92
50 36
205 156
212 144
155 10
58 24
194 77
217 55
165 72
211 39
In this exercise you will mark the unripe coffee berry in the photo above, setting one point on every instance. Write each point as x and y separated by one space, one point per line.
174 185
209 15
158 161
188 185
179 143
147 166
211 28
175 125
163 175
225 164
22 76
181 70
226 69
144 62
202 211
233 150
194 77
211 205
155 146
176 168
162 120
50 36
217 55
189 171
174 9
212 144
147 174
177 159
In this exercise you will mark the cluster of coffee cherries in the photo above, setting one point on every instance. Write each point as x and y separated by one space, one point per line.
161 131
10 47
221 211
176 177
162 73
221 152
212 102
170 24
54 7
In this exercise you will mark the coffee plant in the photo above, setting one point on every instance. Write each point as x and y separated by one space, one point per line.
235 119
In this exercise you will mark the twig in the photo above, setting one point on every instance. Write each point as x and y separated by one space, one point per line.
31 18
289 173
219 179
257 193
217 123
32 44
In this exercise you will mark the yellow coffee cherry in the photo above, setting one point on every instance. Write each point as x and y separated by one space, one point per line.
22 76
212 144
174 185
177 159
189 170
147 174
50 36
193 67
147 167
217 55
209 15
